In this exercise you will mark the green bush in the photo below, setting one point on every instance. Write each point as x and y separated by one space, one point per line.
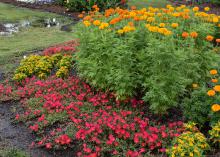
136 61
197 107
85 5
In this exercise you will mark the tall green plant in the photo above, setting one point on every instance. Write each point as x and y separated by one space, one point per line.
158 68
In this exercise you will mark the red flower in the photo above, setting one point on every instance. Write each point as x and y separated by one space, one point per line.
48 145
34 127
63 139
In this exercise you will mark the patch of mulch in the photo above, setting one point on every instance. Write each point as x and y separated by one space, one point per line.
18 136
53 8
214 9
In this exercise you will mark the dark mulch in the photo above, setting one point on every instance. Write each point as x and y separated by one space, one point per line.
53 8
215 9
18 136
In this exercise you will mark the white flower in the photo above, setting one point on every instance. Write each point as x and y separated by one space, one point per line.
24 57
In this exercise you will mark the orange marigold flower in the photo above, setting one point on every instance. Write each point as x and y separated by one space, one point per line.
209 38
133 7
215 107
211 93
213 72
94 6
217 40
80 15
217 88
214 80
196 9
193 34
185 34
130 23
96 22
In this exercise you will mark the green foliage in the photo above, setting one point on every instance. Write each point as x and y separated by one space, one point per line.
215 133
83 5
141 63
197 107
12 153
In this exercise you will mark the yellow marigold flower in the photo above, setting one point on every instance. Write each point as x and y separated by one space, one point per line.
167 32
183 6
214 80
86 23
120 31
211 93
196 9
168 6
96 22
103 25
150 19
217 88
215 107
147 25
174 25
162 25
215 20
176 14
206 8
195 85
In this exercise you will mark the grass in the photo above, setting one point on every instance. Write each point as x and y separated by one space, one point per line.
27 39
147 3
10 13
12 153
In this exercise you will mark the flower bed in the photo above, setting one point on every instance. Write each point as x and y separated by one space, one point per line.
133 71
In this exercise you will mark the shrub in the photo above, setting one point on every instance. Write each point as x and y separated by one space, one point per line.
84 5
152 53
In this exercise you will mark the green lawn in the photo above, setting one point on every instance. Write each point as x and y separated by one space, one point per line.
10 13
27 39
147 3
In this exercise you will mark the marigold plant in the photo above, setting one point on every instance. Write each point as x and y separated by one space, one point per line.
153 53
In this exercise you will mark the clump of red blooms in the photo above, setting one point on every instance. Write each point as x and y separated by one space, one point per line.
66 48
61 111
99 122
6 91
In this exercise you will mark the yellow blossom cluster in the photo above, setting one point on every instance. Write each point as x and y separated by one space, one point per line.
41 66
215 132
191 143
